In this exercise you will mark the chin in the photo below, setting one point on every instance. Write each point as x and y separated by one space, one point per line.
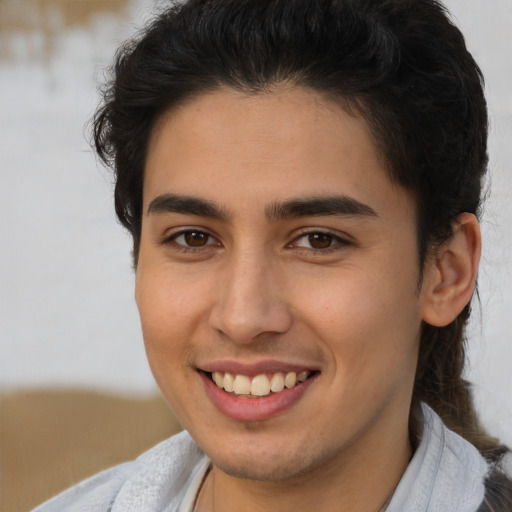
275 466
257 471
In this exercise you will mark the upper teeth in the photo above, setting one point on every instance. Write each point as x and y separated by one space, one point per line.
260 385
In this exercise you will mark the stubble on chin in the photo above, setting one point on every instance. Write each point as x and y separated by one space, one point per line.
272 467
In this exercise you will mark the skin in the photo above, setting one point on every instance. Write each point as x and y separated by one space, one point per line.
257 287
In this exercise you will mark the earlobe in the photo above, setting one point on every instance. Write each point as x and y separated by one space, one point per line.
452 273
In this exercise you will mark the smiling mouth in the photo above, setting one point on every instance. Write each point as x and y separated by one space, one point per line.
259 386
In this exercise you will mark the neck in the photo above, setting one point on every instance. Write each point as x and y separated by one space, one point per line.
355 483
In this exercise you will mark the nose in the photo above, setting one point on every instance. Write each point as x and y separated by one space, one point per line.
251 300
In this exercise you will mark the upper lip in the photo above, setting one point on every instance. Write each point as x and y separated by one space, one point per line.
255 368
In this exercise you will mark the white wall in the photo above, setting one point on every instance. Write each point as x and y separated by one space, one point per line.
67 315
488 29
67 312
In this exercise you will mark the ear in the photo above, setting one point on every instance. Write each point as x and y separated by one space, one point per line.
451 273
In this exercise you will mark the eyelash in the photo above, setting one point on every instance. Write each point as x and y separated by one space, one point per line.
335 241
182 247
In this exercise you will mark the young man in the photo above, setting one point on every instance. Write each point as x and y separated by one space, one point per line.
302 180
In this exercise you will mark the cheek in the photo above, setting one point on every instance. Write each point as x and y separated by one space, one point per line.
168 306
371 338
168 322
167 325
369 322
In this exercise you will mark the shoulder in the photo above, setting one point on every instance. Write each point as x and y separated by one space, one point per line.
158 476
446 473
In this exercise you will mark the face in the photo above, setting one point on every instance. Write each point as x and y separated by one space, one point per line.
279 260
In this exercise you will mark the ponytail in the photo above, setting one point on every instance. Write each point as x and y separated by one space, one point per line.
439 384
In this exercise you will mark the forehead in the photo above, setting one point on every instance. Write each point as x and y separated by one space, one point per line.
240 149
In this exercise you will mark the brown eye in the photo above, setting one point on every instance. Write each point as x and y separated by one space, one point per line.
195 238
320 240
192 239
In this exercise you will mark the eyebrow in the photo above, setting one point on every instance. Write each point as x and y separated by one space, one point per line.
320 206
188 205
300 207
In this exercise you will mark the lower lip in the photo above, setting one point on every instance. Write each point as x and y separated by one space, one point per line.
254 409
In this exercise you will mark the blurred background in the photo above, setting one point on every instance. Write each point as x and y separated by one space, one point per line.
71 352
